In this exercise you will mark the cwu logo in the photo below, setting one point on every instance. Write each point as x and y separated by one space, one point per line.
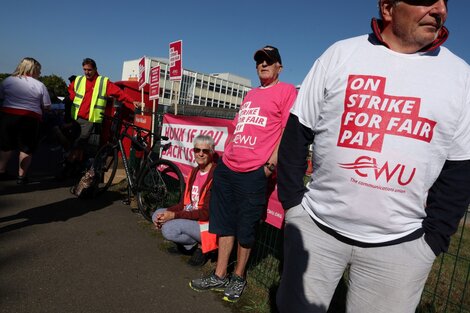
368 167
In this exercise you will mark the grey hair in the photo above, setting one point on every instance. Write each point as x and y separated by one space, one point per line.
379 2
204 139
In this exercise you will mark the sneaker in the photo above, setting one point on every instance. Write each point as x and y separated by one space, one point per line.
179 249
210 282
22 180
234 289
198 258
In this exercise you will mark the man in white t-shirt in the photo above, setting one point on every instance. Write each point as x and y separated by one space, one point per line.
238 195
388 115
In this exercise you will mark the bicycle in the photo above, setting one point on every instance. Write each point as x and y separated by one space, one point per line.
156 183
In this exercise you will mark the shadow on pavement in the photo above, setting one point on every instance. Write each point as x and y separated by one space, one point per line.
35 184
57 212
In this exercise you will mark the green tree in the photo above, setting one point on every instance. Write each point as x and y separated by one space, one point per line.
3 76
56 86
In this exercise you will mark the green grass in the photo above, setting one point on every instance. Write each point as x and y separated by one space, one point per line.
448 286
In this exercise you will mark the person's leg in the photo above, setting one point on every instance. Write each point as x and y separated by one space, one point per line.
86 128
314 263
28 139
24 163
182 231
223 255
223 219
217 280
250 199
222 222
389 279
243 253
8 139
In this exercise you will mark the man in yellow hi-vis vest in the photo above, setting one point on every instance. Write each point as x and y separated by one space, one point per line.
89 95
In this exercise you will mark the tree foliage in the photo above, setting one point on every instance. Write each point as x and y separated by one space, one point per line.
3 76
55 84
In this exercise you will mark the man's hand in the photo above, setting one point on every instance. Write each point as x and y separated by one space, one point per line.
138 104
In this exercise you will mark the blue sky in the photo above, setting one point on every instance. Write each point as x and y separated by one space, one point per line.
218 35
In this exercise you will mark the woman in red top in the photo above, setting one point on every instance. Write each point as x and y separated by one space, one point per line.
179 223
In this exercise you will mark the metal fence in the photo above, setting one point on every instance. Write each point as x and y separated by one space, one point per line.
447 289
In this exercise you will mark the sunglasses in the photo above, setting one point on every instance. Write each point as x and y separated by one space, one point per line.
422 2
198 150
262 59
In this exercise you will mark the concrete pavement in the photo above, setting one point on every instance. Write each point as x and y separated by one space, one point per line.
63 254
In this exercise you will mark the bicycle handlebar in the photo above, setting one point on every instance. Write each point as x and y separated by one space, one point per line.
135 127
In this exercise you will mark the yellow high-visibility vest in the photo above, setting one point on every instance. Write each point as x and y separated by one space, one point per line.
98 99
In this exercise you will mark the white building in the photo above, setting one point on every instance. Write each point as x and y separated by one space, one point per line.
220 90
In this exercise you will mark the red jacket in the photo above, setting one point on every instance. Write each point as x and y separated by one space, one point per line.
111 91
202 214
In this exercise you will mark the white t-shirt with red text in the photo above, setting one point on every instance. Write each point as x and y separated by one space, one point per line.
384 124
258 126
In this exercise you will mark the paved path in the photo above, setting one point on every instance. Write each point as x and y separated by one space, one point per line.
62 254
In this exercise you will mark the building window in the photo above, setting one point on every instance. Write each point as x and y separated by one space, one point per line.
167 94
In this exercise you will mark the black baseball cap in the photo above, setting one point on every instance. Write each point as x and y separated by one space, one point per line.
268 51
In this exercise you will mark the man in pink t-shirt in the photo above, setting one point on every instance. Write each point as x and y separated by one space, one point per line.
238 196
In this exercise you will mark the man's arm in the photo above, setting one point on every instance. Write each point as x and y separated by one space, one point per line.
71 90
292 162
448 199
116 92
285 112
273 159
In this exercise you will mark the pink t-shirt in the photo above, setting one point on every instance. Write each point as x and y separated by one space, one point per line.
258 126
196 189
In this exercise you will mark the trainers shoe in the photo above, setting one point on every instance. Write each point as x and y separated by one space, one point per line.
210 282
179 249
22 180
234 289
198 258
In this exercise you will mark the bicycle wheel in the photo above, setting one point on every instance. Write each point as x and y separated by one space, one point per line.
105 164
161 185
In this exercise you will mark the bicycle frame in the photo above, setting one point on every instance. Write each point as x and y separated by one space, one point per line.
151 152
155 182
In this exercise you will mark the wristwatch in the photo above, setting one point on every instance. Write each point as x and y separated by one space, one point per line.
271 167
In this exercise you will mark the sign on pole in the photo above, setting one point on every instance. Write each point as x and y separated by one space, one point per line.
154 83
142 76
176 60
